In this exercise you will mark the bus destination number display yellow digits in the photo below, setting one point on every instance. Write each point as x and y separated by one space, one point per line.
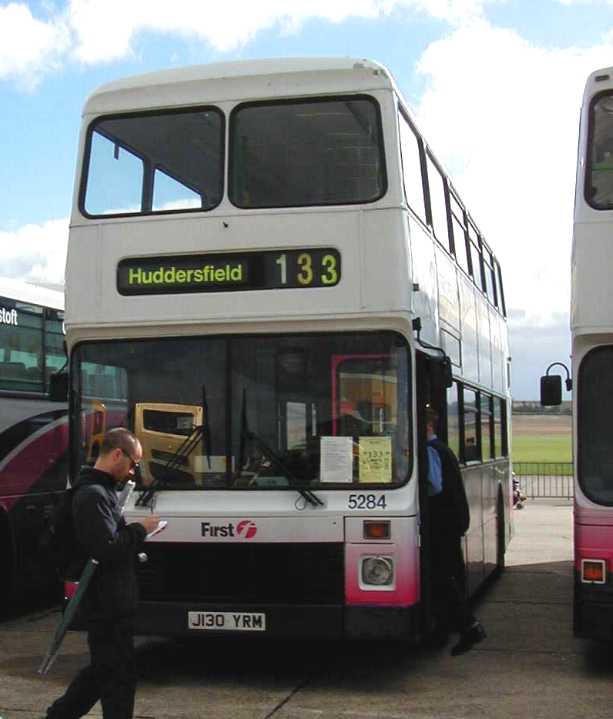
315 268
269 270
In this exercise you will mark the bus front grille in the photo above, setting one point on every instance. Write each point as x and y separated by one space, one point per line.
310 573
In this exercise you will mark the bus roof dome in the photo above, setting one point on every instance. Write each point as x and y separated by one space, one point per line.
240 79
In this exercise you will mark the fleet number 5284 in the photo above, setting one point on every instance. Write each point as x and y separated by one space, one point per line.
366 501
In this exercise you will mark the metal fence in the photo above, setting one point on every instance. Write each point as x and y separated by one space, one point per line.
545 479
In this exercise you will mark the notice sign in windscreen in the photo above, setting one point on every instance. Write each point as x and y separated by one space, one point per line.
282 269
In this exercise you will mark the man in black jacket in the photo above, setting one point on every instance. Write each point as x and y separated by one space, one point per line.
449 520
110 601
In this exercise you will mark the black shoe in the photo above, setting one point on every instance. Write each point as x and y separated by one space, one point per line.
468 639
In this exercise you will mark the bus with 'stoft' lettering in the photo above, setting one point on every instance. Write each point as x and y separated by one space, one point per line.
270 277
33 431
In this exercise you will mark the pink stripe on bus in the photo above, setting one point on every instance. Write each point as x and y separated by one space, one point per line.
31 460
593 542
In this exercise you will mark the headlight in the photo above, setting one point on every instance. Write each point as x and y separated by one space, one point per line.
377 571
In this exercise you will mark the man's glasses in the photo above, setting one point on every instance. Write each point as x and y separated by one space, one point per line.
133 465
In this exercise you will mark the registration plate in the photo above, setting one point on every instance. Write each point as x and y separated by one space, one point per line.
227 621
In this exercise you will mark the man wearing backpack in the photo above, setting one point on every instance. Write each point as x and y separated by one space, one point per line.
110 601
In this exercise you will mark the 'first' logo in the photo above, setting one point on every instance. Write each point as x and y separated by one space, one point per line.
245 529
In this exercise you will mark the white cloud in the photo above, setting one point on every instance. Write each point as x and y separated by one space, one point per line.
35 252
503 116
105 29
95 31
29 46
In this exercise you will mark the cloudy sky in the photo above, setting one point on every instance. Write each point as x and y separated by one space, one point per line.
496 86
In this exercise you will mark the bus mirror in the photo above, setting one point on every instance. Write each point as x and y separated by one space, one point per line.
58 387
447 374
551 390
441 373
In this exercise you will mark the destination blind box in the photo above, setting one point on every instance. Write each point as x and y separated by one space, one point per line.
268 270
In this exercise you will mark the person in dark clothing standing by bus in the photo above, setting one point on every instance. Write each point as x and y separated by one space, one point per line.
449 521
110 601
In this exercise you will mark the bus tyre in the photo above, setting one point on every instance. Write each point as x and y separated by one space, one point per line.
7 563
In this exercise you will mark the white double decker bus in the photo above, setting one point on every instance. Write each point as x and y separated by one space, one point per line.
272 276
592 361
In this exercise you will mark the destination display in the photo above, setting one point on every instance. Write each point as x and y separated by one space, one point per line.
270 270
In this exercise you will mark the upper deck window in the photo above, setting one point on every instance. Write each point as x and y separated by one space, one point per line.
325 151
458 224
599 172
154 162
411 167
438 207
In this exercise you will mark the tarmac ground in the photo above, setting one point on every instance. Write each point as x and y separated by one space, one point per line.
529 666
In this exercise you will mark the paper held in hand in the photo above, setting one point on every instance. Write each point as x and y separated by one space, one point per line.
162 525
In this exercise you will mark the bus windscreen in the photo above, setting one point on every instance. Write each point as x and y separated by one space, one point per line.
283 412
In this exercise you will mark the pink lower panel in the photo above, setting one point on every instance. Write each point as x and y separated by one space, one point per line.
593 542
406 590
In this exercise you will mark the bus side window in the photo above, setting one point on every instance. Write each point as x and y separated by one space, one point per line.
499 428
458 232
411 168
453 419
438 206
500 289
471 450
488 267
55 357
475 256
487 428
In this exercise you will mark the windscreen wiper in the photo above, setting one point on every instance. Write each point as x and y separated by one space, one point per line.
199 431
175 462
247 435
309 496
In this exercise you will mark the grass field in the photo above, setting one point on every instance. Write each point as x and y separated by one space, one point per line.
541 438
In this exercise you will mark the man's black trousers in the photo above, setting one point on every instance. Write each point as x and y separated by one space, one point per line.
110 678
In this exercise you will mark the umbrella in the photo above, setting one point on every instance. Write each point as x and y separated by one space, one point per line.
68 616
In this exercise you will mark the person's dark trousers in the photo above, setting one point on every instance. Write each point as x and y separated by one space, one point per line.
111 676
449 585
